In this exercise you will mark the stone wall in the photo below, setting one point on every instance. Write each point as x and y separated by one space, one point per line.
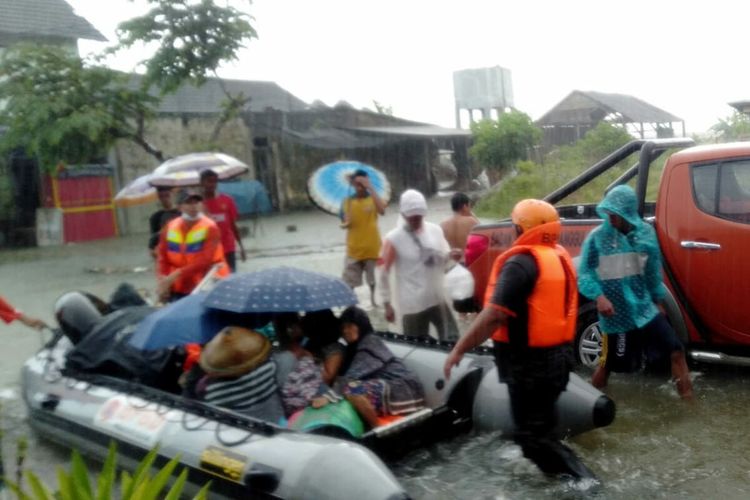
174 135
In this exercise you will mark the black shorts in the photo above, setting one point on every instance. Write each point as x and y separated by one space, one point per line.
624 352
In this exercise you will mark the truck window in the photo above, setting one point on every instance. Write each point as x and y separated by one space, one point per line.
724 189
704 187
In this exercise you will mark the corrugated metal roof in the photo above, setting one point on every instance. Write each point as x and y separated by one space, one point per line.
589 107
208 97
42 18
416 131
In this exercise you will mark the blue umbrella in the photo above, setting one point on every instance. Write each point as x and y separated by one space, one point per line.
186 321
279 289
329 185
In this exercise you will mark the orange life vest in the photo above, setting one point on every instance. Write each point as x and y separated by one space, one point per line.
185 248
553 303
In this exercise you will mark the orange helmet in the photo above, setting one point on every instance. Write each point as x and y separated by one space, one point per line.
531 213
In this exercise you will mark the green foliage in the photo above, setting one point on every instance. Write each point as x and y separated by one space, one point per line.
499 144
59 108
536 181
193 38
7 199
733 128
76 484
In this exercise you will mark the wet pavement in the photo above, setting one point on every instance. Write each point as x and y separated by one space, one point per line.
658 446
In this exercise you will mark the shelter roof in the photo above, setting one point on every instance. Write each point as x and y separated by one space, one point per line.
589 107
42 18
332 138
207 98
741 106
425 130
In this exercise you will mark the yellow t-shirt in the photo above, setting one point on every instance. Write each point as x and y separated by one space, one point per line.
363 236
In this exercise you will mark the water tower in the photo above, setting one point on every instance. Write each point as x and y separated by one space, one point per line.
482 89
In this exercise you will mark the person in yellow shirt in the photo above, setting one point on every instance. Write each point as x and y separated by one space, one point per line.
360 219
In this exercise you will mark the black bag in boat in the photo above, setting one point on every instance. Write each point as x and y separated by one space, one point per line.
105 350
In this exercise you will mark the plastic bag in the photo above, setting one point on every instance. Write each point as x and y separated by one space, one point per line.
459 283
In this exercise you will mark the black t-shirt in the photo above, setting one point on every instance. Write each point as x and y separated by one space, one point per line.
518 363
514 286
157 221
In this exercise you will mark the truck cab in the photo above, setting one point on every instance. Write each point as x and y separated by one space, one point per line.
702 220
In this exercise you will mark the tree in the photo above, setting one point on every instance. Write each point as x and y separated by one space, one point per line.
382 109
733 128
59 108
499 144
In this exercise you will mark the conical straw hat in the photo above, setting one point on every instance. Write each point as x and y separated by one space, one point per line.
234 351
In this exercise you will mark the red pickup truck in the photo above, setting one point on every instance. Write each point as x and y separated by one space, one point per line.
702 220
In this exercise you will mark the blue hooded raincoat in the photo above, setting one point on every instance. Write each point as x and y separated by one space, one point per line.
626 268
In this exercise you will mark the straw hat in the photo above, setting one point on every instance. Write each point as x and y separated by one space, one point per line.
234 351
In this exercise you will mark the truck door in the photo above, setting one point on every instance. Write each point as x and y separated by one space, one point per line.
705 237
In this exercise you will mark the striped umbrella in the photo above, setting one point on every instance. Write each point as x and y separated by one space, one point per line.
329 185
185 170
137 192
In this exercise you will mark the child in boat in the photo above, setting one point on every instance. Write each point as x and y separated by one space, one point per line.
372 378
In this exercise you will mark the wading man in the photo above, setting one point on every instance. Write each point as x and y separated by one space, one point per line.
530 312
620 269
360 219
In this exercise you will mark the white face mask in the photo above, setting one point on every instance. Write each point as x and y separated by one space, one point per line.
191 218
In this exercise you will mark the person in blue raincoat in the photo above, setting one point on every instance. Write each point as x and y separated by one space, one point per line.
620 268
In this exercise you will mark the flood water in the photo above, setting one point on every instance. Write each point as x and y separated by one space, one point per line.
658 446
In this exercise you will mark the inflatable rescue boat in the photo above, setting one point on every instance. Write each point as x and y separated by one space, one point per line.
248 458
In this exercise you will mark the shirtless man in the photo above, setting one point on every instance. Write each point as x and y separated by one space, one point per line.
458 227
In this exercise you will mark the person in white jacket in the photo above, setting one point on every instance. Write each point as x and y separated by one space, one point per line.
419 254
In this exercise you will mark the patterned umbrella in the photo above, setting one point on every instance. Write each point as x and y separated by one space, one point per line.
136 192
279 289
186 321
329 185
185 170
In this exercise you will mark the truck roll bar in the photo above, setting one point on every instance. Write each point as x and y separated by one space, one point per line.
650 149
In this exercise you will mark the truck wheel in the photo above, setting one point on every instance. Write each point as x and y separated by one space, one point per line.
588 346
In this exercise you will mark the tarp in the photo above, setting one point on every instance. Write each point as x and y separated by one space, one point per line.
250 196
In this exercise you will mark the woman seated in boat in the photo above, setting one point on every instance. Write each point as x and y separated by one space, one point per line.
235 372
372 378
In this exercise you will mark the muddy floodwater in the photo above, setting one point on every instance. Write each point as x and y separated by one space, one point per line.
658 446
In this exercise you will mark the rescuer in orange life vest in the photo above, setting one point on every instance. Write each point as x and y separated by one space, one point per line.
530 311
189 246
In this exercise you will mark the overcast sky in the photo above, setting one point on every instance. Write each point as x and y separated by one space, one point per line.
688 58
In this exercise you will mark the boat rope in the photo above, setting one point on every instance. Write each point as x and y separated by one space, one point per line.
429 342
172 401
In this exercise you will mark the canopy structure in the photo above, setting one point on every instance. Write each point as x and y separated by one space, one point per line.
581 111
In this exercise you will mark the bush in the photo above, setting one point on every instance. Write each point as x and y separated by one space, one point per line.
534 180
76 484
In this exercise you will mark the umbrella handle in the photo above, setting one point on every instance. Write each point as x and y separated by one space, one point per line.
207 278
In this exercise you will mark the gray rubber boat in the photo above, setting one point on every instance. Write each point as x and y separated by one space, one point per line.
246 458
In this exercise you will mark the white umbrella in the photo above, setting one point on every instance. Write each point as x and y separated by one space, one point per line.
137 192
185 170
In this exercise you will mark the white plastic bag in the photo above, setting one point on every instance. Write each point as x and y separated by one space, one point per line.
459 283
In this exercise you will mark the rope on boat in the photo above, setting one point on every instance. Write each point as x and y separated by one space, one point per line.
429 342
187 406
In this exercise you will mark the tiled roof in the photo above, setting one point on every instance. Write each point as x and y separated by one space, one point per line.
40 18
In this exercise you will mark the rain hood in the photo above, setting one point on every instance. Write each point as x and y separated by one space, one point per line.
626 268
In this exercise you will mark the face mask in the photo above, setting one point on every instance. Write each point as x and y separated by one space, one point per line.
191 218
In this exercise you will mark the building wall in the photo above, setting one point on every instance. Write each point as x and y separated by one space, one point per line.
173 135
